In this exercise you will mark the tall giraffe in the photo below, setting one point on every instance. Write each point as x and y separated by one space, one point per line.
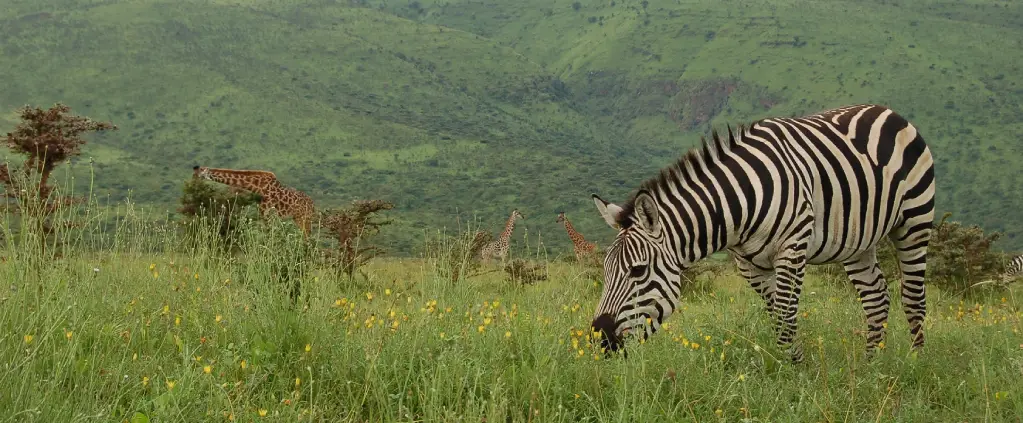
499 247
286 201
583 249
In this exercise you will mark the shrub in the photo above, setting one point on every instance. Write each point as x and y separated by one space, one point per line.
455 258
526 272
350 228
46 138
961 256
213 209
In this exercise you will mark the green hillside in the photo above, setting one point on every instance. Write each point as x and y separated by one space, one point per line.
472 108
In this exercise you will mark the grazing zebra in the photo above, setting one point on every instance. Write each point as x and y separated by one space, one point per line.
1014 270
780 194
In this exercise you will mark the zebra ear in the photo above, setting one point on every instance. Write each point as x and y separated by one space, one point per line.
609 211
646 214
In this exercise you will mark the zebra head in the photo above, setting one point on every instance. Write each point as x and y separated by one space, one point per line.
641 276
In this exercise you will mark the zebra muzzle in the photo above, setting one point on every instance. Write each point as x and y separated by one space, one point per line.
605 329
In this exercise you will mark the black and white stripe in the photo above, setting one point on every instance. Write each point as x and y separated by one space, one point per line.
780 194
1014 269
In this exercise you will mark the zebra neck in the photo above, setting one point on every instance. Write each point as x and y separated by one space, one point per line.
707 226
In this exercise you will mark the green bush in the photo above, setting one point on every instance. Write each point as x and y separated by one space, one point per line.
456 258
213 209
960 256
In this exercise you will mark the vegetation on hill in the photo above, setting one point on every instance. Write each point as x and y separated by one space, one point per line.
461 109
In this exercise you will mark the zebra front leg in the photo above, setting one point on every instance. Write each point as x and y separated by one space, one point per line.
865 275
761 280
790 267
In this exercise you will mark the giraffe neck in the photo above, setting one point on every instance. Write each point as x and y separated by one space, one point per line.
509 226
575 236
262 183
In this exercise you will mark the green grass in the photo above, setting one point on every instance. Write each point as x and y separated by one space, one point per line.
453 109
145 323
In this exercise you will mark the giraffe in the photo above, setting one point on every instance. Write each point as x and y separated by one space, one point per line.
583 249
286 201
499 247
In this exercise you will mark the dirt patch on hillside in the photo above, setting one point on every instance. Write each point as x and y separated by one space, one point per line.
614 94
698 102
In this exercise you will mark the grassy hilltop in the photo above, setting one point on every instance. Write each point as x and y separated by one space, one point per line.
475 107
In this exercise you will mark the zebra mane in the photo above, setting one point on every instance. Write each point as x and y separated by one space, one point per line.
706 154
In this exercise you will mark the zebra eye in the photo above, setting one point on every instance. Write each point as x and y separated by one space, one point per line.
637 270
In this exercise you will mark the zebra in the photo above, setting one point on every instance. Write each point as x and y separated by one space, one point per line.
777 194
1013 270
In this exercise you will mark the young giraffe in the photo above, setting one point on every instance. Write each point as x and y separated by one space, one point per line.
499 247
286 200
583 249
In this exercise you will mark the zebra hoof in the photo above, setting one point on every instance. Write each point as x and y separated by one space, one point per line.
797 355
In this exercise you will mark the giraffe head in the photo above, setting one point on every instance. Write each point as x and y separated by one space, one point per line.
201 172
561 217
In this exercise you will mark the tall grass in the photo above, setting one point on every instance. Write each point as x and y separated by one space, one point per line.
138 321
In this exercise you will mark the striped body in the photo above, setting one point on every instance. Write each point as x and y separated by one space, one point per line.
778 195
1014 269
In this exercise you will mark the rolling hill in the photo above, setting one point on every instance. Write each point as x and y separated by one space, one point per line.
454 109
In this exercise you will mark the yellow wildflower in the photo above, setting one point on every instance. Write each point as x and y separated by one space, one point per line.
219 318
145 380
298 381
507 334
480 329
244 364
207 369
308 347
262 412
28 339
177 320
166 309
387 291
369 296
170 385
69 334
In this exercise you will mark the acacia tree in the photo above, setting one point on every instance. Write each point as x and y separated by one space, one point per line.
46 138
350 227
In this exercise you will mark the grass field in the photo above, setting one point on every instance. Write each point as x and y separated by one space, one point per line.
152 328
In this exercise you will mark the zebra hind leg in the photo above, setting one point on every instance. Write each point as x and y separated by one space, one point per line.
865 274
790 266
911 249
